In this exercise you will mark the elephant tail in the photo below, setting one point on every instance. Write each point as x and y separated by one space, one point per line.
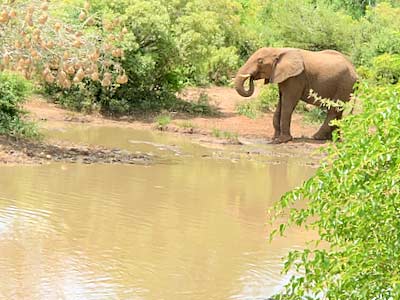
354 105
355 89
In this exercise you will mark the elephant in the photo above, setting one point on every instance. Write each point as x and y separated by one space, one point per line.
328 73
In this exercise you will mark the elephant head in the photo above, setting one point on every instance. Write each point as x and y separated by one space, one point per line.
274 65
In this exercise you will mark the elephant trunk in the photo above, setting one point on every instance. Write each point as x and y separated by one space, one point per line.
239 85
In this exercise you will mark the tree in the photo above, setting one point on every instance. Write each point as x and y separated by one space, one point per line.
34 43
353 202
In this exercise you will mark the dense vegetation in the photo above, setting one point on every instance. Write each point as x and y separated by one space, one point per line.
353 203
163 52
37 44
166 51
13 91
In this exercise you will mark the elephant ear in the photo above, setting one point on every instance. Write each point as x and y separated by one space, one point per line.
288 64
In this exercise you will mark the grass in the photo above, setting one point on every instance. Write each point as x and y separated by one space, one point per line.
162 122
313 115
187 126
265 102
231 137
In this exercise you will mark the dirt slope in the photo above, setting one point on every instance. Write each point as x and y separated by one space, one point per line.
227 99
49 115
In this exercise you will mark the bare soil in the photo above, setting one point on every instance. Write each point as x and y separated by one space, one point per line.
226 99
49 115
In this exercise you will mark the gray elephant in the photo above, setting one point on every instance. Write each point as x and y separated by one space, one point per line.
328 73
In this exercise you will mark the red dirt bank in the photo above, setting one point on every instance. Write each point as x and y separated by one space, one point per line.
224 98
52 116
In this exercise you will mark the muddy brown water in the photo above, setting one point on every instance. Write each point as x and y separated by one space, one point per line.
191 226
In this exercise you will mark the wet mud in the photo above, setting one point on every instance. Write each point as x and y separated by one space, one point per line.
20 151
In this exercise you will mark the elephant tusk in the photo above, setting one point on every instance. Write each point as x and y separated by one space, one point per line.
245 75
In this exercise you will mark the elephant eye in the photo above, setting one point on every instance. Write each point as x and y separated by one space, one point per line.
260 61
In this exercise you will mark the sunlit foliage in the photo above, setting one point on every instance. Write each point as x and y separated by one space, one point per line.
34 42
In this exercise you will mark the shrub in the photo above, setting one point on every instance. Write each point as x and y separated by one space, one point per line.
353 203
315 115
13 91
269 97
36 44
377 33
163 121
250 109
265 102
149 54
163 52
222 65
386 68
303 24
208 51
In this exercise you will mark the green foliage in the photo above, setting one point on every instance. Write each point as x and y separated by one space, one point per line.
353 202
269 97
201 107
315 115
231 137
208 50
303 24
377 33
356 8
265 102
13 91
187 125
164 51
78 98
222 65
163 121
250 109
386 68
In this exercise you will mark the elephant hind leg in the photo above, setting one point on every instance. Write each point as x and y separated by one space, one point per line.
325 132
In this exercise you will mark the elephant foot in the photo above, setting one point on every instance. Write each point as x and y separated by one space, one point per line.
322 136
282 139
276 135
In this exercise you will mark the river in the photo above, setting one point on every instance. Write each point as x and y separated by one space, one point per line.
191 225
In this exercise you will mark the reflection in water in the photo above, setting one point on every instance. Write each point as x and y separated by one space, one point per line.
195 229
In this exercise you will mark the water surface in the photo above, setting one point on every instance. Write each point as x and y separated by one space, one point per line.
190 227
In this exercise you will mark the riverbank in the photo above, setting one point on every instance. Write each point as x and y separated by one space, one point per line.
225 99
227 127
19 151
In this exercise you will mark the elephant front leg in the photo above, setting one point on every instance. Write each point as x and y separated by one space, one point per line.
277 119
287 106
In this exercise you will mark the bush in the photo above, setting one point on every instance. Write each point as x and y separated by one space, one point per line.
222 65
265 102
163 121
209 51
269 97
13 91
353 203
164 51
149 61
315 115
377 33
386 68
38 45
303 24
